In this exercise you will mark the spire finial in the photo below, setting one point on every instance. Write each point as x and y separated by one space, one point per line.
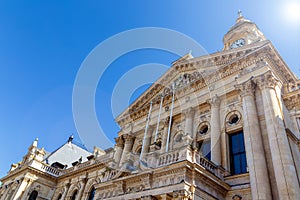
240 13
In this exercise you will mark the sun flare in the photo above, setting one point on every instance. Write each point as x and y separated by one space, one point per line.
292 12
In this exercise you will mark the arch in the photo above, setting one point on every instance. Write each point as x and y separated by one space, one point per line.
33 195
74 195
92 193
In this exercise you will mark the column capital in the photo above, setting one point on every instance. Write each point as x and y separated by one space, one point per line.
148 197
266 80
119 141
181 193
246 88
189 112
214 101
128 138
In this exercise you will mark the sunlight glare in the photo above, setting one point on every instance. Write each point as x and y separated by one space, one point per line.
292 12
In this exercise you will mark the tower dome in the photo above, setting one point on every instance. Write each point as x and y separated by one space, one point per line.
243 32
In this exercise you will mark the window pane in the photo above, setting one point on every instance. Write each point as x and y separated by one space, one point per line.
237 153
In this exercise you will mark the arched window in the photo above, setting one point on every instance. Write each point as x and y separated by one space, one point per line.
74 195
59 197
33 195
92 194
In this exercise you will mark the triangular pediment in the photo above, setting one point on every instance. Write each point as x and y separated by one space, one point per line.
205 68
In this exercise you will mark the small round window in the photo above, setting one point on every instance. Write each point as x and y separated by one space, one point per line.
233 119
204 129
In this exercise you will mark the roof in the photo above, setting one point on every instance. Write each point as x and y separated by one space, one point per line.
67 154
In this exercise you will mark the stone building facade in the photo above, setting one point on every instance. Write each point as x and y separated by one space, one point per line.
222 126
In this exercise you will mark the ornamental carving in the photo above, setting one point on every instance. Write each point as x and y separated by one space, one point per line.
247 88
214 101
266 80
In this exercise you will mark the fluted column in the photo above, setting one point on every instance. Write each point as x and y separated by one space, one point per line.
189 117
215 130
127 147
118 149
284 168
256 160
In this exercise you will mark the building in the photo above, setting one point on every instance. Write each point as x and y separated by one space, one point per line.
223 126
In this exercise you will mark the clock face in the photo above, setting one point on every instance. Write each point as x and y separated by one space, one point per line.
238 43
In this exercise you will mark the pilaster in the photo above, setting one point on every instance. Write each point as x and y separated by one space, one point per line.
215 130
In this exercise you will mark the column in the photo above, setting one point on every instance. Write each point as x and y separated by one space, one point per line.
127 147
189 117
256 160
20 190
118 149
147 141
215 130
284 168
64 195
164 135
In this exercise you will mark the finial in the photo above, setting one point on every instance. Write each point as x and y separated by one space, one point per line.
240 13
70 138
34 143
190 52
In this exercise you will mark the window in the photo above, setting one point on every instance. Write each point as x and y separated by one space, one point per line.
33 195
74 195
92 194
204 148
238 163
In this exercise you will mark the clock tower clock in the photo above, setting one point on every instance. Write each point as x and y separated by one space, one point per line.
244 32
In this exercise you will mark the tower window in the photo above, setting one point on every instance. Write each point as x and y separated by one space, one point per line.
238 163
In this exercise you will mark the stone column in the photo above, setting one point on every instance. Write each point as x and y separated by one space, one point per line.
118 149
189 117
25 193
147 141
164 136
64 195
127 147
256 160
284 168
215 130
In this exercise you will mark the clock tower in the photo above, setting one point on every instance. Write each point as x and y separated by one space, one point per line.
244 32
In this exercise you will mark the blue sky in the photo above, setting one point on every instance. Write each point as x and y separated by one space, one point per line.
43 44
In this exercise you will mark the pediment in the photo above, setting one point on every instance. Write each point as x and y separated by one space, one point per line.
200 72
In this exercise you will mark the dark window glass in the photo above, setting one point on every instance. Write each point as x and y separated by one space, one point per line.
92 194
238 161
204 148
33 195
